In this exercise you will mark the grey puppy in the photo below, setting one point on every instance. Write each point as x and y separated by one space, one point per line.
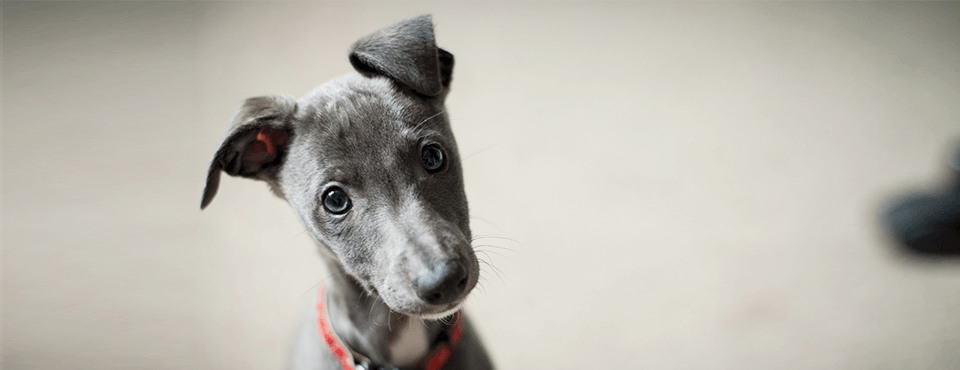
371 169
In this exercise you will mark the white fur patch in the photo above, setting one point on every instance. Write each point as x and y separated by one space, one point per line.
411 346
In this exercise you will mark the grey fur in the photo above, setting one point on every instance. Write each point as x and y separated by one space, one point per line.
364 133
407 53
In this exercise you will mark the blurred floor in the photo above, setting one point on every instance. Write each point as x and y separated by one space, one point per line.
688 185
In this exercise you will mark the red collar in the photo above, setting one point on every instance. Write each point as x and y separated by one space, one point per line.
441 352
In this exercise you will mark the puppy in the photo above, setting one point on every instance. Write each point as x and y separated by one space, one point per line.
370 167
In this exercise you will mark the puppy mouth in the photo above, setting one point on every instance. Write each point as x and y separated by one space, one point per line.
442 314
428 291
407 302
434 313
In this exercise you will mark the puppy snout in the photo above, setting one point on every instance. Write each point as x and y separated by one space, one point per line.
443 283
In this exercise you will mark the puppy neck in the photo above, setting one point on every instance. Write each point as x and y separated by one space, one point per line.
368 327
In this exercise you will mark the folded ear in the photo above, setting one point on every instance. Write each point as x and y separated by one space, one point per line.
407 53
255 142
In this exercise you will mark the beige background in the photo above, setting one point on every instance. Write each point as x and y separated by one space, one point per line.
683 185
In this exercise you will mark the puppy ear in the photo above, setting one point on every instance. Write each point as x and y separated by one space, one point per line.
407 53
255 142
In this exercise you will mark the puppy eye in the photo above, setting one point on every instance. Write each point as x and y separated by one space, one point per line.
432 157
336 201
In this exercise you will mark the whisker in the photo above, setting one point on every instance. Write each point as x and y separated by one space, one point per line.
480 286
483 279
487 253
445 320
495 268
475 238
487 221
495 271
481 151
372 318
291 239
482 247
389 318
416 129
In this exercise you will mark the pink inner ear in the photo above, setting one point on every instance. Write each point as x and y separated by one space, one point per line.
272 138
265 147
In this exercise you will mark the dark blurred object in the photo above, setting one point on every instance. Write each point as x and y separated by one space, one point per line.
929 224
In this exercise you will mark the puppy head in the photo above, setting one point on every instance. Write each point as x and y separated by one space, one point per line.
370 167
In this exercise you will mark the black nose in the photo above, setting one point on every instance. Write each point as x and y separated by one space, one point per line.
443 283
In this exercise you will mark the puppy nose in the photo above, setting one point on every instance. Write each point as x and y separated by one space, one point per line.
443 283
